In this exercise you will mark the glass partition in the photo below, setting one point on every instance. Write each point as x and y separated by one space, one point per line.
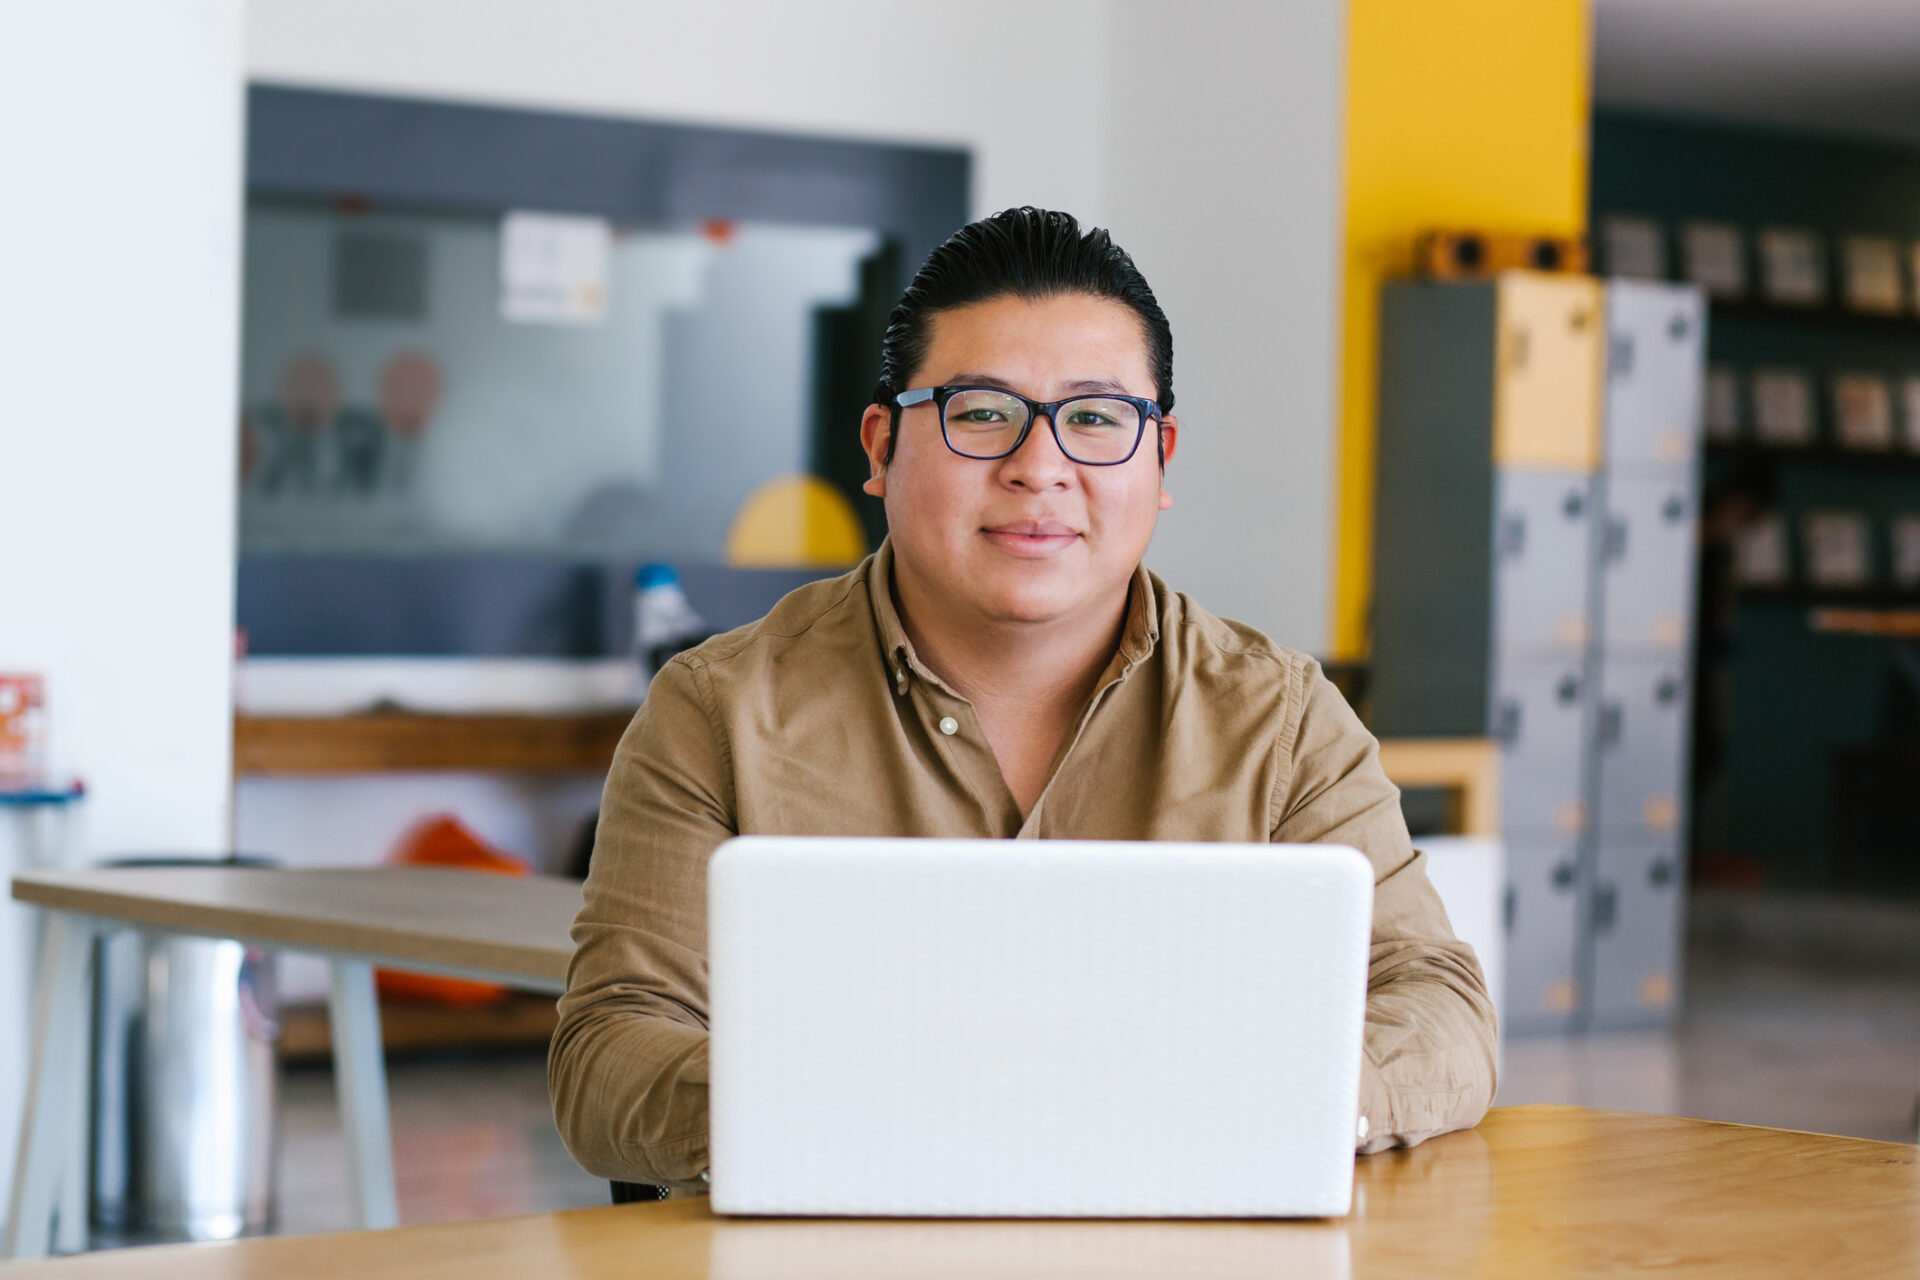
700 411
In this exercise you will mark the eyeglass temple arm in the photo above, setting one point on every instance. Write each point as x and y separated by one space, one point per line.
907 399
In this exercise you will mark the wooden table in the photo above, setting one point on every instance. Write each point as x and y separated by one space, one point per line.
1534 1191
510 930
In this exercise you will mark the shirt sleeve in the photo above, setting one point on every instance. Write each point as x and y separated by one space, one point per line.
1428 1063
627 1068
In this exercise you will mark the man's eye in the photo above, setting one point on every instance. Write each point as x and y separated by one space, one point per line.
1088 418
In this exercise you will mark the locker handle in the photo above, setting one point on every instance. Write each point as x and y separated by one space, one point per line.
1616 538
1660 874
1506 725
1508 905
1568 690
1574 505
1517 349
1513 534
1678 328
1667 691
1674 510
1609 724
1621 361
1606 907
1563 876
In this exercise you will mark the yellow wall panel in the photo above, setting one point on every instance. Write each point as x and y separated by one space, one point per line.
1468 113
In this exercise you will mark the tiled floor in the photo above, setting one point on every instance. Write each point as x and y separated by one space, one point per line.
1763 1042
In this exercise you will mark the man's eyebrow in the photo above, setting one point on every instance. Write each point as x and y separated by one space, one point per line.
1098 386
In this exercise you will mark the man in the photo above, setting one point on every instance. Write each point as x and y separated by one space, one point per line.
1002 667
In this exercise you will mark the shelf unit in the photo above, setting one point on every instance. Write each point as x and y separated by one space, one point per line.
385 741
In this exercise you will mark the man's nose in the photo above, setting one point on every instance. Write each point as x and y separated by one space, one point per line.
1038 462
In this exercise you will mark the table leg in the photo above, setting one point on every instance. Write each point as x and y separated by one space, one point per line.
360 1076
48 1142
70 1210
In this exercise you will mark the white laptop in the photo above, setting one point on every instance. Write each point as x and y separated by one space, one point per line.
1028 1028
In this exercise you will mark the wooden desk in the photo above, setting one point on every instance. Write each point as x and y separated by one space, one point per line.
511 930
1535 1191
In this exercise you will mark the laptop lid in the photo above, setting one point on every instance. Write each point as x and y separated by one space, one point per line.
1035 1028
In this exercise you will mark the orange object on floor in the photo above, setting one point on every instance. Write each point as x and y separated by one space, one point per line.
444 841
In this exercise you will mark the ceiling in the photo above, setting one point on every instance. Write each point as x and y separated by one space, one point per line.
1837 66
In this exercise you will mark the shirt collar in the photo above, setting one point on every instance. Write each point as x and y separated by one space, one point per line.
1137 638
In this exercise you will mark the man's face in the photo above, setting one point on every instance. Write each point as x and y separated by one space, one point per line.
1033 537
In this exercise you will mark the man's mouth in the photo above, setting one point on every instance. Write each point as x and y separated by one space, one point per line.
1031 537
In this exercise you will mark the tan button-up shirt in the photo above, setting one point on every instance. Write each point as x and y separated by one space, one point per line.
819 720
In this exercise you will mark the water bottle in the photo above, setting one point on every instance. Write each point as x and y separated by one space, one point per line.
664 622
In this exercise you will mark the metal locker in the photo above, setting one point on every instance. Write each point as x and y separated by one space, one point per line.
1543 936
1542 545
1637 919
1642 741
1546 408
1656 340
1648 547
1540 715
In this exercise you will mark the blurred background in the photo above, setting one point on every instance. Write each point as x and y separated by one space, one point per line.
389 383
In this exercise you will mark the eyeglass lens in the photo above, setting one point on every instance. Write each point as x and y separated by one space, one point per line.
987 424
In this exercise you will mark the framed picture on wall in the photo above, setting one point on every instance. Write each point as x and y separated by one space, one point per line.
1903 547
1910 412
1714 256
1835 547
1793 267
1720 419
1760 552
1871 276
1782 406
1634 247
1862 411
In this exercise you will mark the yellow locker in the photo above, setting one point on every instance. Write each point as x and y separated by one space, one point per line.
1547 387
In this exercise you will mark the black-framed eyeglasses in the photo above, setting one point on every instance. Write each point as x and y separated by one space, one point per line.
991 422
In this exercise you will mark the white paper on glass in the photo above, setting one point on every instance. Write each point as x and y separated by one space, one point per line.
554 268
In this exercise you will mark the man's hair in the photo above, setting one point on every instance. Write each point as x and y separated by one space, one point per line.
1027 253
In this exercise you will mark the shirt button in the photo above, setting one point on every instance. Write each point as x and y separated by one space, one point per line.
1362 1129
900 679
949 726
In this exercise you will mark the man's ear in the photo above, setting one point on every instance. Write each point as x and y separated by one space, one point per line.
876 433
1169 441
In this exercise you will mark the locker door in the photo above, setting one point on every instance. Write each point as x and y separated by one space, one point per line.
1543 937
1648 549
1543 544
1656 345
1642 735
1639 897
1547 379
1540 715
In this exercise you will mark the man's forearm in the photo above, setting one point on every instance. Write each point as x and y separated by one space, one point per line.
630 1095
1429 1062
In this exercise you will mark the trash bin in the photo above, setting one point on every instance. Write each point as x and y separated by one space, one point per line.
184 1084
